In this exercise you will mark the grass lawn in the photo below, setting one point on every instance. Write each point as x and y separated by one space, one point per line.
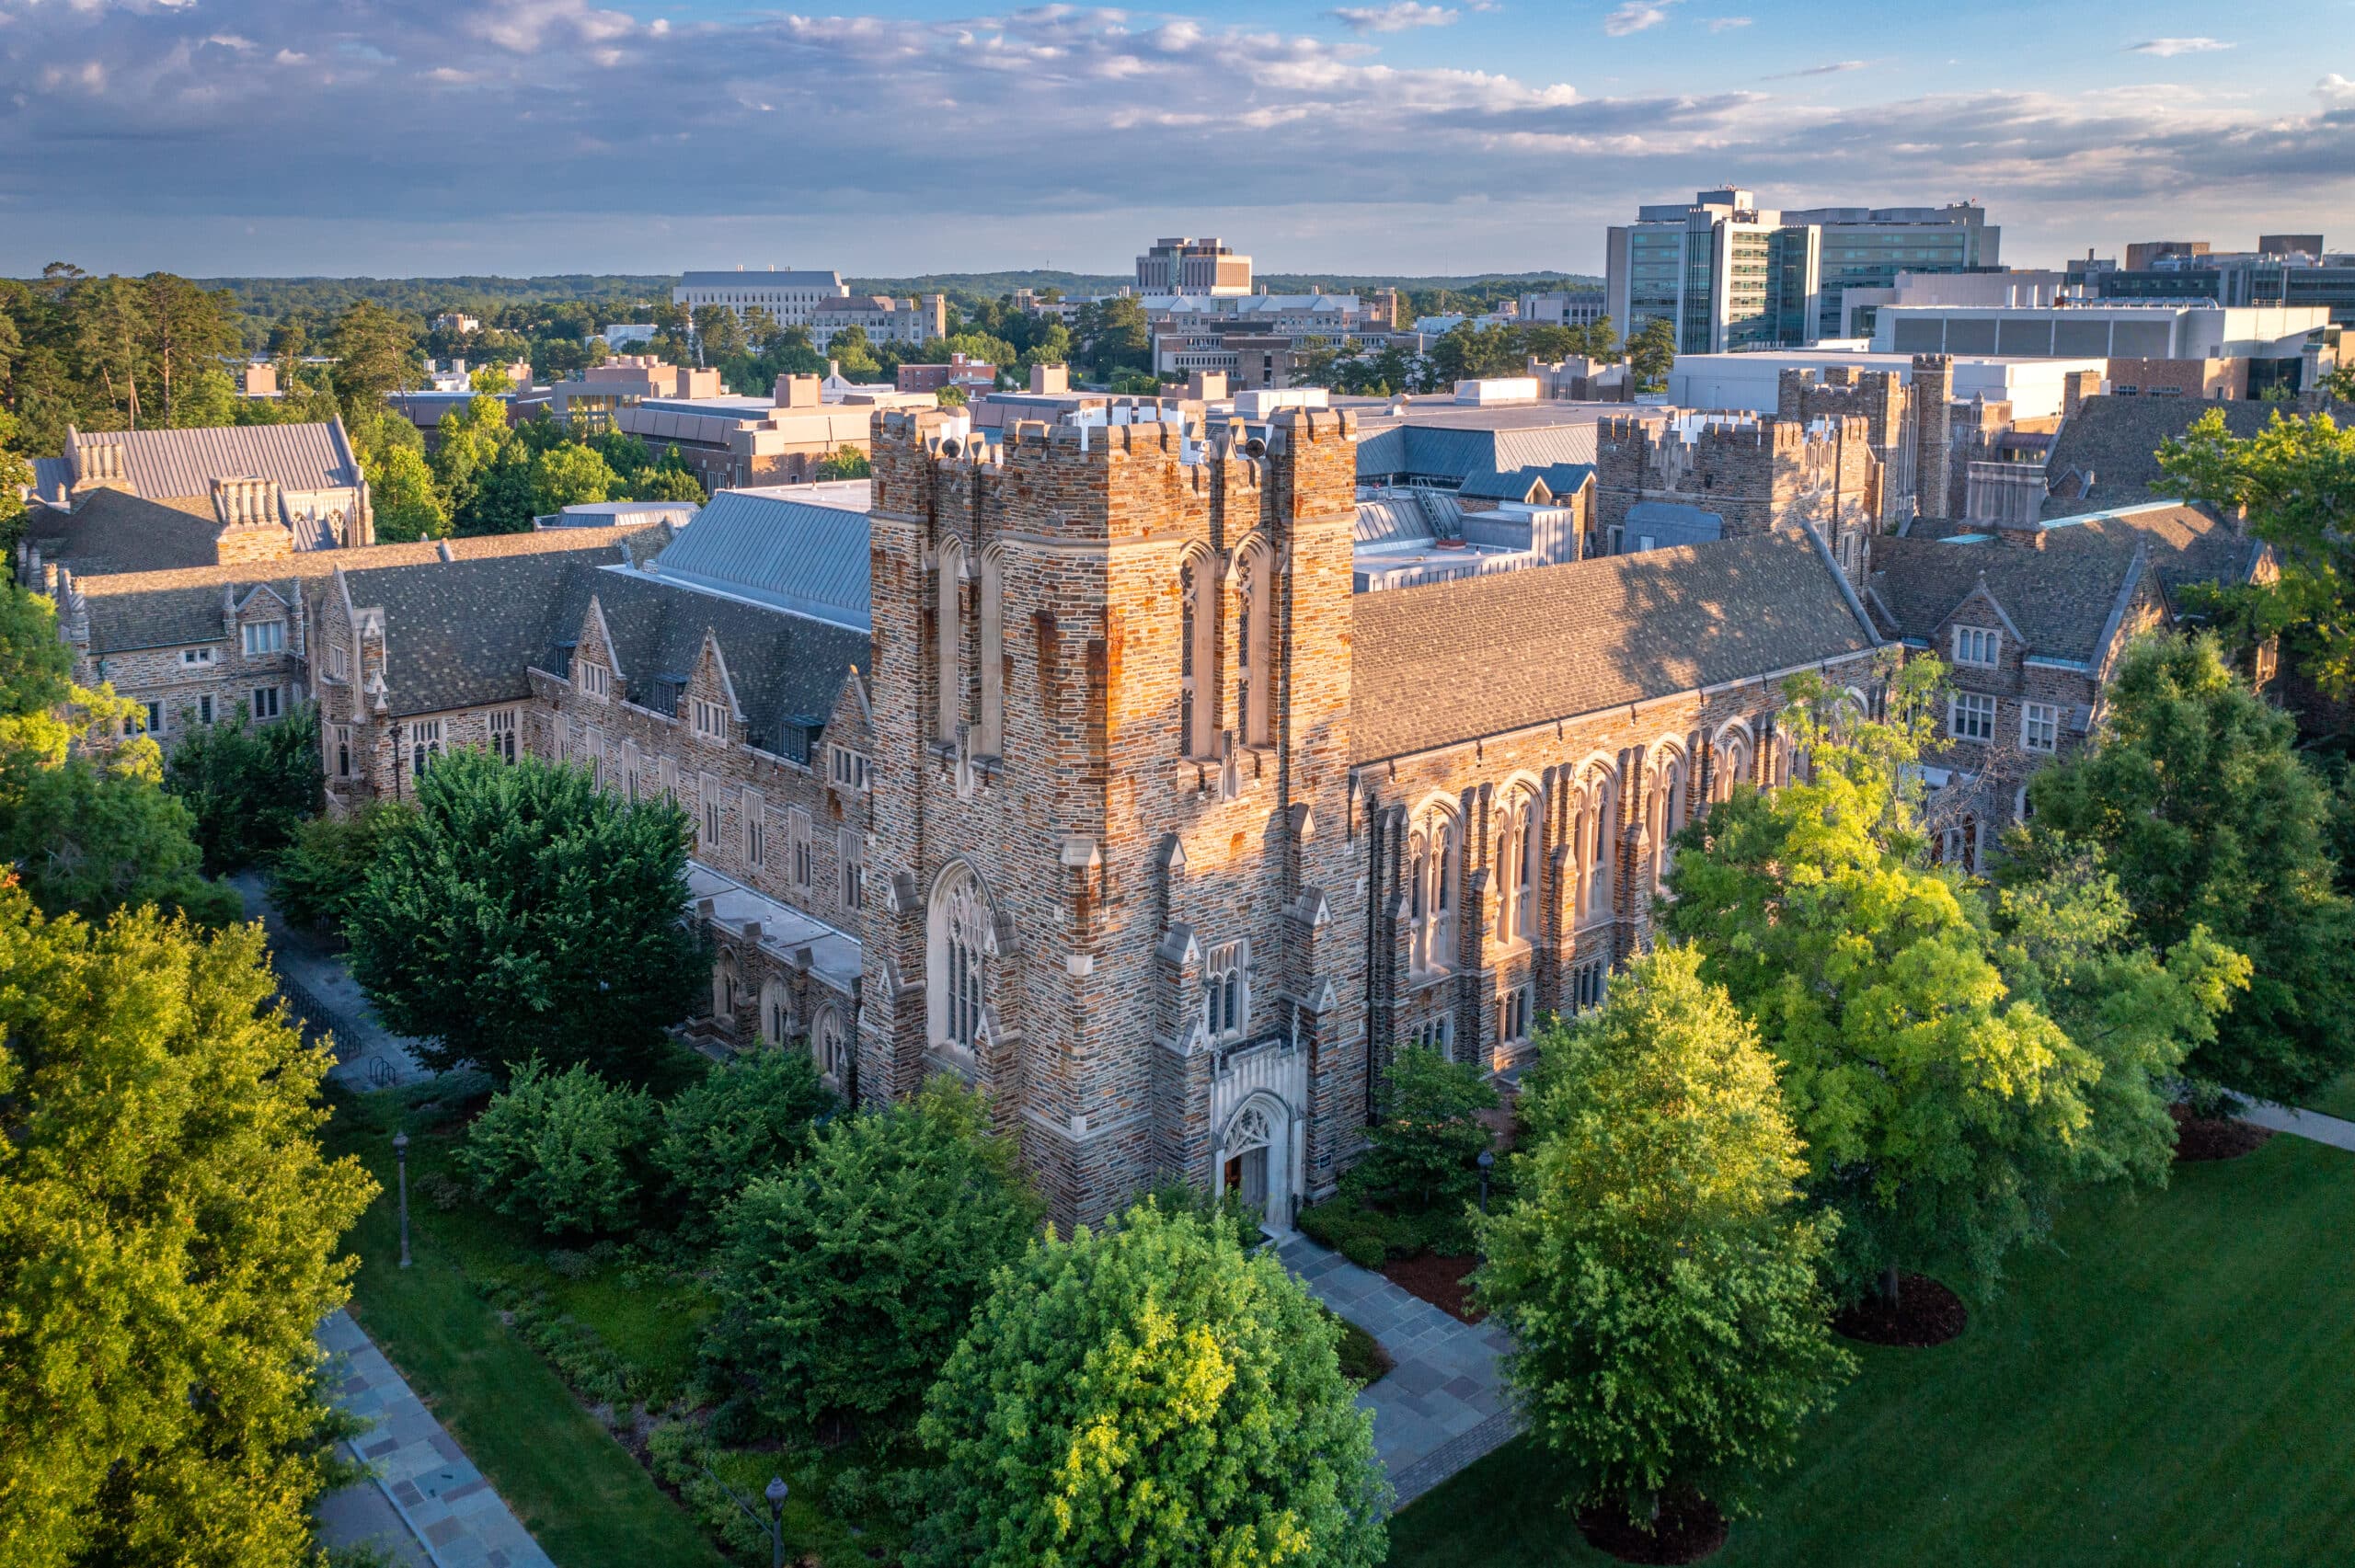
619 1327
2336 1098
2174 1382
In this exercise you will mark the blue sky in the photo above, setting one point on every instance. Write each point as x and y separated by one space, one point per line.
441 136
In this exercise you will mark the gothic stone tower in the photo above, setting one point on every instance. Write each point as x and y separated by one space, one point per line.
1112 707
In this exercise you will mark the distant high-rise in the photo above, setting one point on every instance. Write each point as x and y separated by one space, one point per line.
1182 265
1732 275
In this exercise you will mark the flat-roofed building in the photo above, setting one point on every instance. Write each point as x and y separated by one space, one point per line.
791 298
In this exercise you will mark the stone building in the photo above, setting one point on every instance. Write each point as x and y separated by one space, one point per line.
2030 621
1702 478
266 491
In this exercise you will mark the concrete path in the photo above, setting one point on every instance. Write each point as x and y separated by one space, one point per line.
1444 1404
447 1514
2303 1124
318 985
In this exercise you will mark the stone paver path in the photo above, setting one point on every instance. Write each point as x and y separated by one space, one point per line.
1444 1404
318 985
2303 1124
448 1508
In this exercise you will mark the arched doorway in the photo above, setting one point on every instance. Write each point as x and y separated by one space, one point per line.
1254 1160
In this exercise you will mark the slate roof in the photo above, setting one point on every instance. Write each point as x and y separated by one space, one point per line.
2060 597
111 531
789 554
172 609
2116 440
786 668
1435 665
163 464
460 633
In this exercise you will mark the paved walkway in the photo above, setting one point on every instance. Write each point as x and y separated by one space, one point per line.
1444 1404
447 1514
2304 1124
318 985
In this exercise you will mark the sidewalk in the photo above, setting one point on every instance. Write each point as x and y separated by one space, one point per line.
446 1513
319 988
2311 1125
1444 1404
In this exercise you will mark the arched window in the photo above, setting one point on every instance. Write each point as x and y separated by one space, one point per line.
1418 900
723 989
950 619
991 655
1442 867
1732 765
1197 662
830 1045
1603 813
956 960
1255 645
1517 870
1226 992
1667 813
777 1014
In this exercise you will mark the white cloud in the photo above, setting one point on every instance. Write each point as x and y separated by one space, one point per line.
1636 16
1727 24
2169 48
1836 68
1395 18
2335 91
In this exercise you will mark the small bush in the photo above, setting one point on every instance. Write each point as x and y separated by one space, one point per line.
851 1493
441 1189
565 1263
1364 1250
564 1152
748 1119
1426 1145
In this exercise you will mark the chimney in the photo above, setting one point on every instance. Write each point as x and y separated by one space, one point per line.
1207 386
1049 378
2027 536
799 392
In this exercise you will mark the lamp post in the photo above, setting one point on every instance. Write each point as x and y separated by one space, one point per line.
1487 1158
401 1152
775 1494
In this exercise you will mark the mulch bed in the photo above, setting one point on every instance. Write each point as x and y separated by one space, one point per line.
1927 1313
1687 1530
1437 1278
2215 1138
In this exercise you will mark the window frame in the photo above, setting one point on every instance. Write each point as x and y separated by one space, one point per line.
1985 711
1226 992
1972 637
256 644
2048 726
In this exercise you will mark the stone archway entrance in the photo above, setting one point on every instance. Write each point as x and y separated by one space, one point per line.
1254 1160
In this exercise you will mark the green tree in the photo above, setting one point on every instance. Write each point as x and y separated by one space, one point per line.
467 442
1939 1113
1652 353
524 911
375 352
566 1152
748 1120
1658 1272
323 870
2296 476
568 475
848 462
845 1283
1117 335
1149 1394
2210 821
249 785
407 503
853 354
169 1238
1426 1145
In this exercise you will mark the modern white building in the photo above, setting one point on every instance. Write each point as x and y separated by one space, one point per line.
2103 330
790 298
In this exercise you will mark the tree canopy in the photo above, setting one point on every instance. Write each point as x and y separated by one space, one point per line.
2210 820
1149 1394
1657 1269
524 911
168 1241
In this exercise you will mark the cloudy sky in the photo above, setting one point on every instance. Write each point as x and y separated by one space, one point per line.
444 136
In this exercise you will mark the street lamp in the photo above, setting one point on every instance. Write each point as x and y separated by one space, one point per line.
775 1494
401 1152
1487 1158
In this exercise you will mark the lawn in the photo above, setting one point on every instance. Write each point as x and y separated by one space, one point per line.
2173 1383
513 1341
2336 1098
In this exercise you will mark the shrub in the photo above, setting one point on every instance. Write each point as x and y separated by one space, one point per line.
1149 1393
248 784
565 1151
1426 1145
845 1281
314 879
750 1118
